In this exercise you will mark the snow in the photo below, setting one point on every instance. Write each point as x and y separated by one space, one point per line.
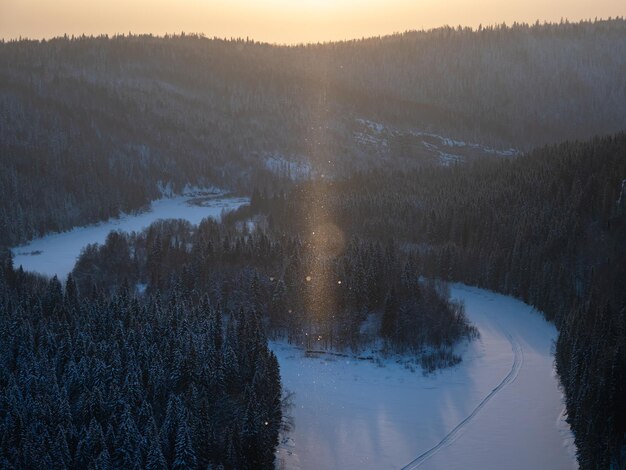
511 152
453 143
375 126
57 253
448 159
500 408
374 133
367 139
295 169
448 142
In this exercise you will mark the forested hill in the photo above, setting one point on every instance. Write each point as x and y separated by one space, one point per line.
88 126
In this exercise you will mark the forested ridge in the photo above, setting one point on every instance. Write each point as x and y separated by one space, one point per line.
90 125
548 227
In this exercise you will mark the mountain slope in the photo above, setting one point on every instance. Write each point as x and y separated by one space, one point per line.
89 126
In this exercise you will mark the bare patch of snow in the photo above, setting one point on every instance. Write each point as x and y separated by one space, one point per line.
194 190
166 189
448 142
368 139
294 169
503 153
448 159
622 192
375 126
375 134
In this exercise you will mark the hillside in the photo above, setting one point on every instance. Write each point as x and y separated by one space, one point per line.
89 126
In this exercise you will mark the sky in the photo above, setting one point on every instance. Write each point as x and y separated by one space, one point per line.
281 21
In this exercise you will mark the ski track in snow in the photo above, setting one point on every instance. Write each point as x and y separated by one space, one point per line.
518 360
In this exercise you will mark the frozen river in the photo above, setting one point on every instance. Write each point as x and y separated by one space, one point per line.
57 253
501 408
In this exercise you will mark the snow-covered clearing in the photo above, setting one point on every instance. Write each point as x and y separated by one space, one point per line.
56 253
446 150
500 408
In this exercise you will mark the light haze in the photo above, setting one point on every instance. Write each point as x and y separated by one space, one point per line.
281 21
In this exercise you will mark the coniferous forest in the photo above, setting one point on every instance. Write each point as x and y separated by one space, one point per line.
378 171
316 303
111 382
90 125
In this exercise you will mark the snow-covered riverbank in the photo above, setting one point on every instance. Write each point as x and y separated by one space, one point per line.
501 408
56 253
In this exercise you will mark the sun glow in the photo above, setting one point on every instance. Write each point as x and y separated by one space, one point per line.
279 21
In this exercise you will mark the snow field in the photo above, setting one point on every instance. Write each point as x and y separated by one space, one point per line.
500 408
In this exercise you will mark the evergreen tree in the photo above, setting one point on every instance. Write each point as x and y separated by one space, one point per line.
185 457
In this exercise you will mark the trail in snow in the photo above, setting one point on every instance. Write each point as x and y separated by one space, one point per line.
518 359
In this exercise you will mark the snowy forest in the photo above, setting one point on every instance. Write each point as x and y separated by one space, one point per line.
282 280
90 125
110 382
379 170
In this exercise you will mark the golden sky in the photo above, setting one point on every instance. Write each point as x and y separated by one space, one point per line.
281 21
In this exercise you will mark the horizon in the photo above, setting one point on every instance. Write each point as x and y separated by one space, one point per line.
178 34
281 22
